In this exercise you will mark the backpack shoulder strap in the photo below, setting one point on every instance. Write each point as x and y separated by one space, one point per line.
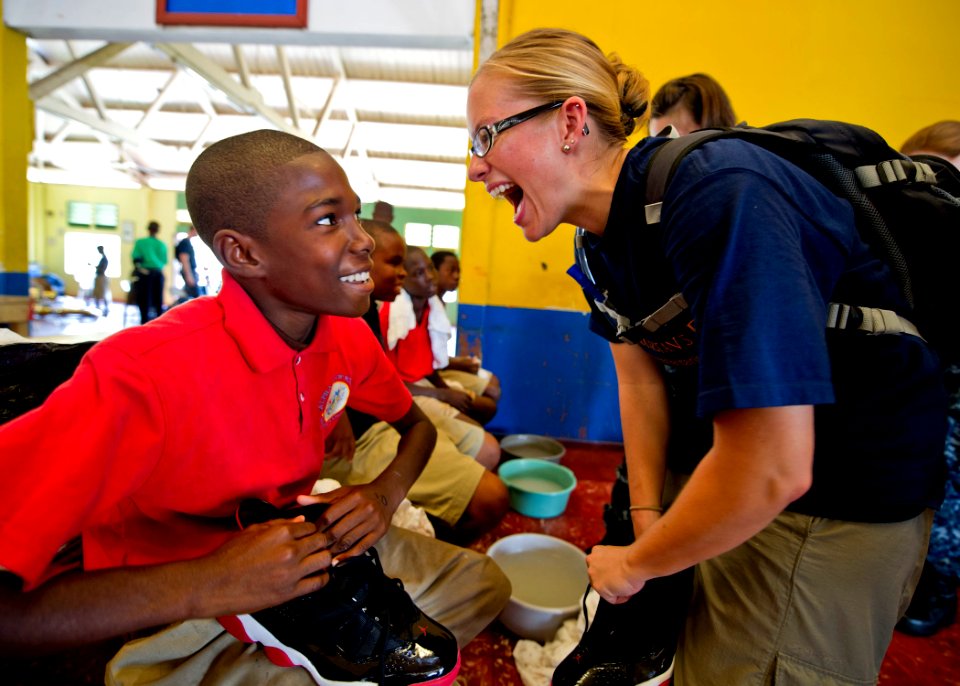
664 162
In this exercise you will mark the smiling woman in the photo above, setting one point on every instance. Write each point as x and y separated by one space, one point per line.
699 401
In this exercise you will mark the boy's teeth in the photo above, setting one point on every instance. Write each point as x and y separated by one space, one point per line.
359 277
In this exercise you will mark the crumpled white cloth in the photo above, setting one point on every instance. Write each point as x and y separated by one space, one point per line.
408 516
401 320
440 332
536 662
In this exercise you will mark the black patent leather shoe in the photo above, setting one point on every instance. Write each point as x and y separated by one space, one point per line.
619 647
361 626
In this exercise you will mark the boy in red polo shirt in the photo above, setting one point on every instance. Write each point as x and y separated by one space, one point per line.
153 479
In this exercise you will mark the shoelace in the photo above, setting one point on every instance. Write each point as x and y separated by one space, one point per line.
586 614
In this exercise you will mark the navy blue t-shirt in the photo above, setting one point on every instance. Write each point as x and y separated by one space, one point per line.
758 249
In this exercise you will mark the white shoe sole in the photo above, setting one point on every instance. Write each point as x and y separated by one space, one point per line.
246 628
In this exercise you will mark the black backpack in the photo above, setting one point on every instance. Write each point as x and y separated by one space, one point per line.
907 209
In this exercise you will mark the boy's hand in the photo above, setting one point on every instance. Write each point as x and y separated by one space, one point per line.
357 517
264 565
461 400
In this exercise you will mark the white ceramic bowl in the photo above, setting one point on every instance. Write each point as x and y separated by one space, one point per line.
549 577
532 445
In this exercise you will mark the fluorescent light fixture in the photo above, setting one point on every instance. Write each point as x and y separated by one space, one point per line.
95 177
167 183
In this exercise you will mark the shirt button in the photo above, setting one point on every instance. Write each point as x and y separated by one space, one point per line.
298 359
302 397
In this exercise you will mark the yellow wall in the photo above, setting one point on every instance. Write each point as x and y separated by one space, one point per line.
48 223
16 136
886 64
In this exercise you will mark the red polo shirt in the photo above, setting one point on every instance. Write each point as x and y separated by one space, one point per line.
164 428
413 355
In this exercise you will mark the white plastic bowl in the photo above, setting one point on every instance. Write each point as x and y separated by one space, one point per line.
549 577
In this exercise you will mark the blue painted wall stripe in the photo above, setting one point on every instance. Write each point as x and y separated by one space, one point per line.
14 283
558 378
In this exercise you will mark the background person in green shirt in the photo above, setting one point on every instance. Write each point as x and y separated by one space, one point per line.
149 259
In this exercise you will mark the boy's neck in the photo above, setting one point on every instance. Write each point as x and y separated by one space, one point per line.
419 305
297 341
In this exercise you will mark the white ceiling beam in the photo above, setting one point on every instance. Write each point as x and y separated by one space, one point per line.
116 131
242 67
91 91
51 82
287 85
160 99
214 74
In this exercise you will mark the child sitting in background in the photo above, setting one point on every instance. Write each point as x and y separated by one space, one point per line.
409 323
464 370
454 488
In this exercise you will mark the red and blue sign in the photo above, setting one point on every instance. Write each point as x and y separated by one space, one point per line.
255 13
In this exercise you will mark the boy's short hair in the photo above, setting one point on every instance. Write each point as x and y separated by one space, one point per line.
440 255
377 228
233 183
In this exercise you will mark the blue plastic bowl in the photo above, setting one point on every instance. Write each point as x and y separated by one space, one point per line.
538 488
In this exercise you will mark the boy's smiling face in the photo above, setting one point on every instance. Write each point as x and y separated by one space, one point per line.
316 256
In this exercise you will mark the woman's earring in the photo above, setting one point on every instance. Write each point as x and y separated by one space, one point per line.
565 148
586 130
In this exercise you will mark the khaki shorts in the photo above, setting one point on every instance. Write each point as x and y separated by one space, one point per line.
444 488
462 589
807 600
466 436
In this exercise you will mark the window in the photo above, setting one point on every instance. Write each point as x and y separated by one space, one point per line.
438 236
102 215
417 234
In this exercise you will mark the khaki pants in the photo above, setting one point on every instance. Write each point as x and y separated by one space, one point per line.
806 601
461 589
444 488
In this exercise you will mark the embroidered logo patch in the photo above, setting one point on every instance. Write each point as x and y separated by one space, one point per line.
336 400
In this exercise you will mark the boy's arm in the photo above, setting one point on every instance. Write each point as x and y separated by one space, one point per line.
262 566
359 516
471 365
461 400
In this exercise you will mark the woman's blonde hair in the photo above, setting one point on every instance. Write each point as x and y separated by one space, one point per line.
555 64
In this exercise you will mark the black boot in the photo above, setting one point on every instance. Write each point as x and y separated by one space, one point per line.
632 643
934 604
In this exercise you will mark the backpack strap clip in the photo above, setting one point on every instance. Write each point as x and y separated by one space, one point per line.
895 171
873 320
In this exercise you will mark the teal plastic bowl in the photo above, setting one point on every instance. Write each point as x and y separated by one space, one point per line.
538 488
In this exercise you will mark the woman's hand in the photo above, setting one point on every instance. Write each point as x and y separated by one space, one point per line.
611 575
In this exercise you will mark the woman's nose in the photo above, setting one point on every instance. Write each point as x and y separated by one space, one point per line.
477 168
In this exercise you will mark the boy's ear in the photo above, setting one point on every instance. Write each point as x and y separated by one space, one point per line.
238 252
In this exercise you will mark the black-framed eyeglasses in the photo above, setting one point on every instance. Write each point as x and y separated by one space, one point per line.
485 135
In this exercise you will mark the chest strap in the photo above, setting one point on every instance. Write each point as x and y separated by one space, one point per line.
873 320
